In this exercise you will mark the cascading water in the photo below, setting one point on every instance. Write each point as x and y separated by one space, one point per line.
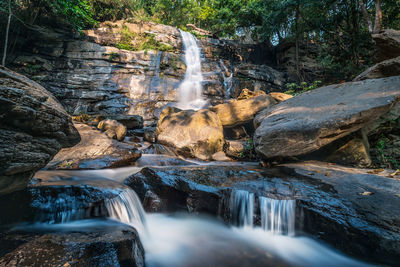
278 216
190 94
187 240
127 208
242 208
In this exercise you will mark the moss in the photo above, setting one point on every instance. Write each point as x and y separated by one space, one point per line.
139 42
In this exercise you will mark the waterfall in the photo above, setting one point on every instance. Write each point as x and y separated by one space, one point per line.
242 208
278 216
190 94
127 208
228 79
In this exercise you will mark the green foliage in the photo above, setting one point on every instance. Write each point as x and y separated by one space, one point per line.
296 89
138 42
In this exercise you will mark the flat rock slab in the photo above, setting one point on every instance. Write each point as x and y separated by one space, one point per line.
307 122
95 151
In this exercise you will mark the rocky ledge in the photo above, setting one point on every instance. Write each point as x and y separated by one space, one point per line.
95 151
33 128
356 210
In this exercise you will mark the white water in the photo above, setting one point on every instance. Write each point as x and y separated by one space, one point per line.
126 208
195 241
242 208
190 93
278 216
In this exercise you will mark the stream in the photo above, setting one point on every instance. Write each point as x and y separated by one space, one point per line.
184 239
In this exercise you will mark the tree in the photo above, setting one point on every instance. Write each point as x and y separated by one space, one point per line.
378 16
3 62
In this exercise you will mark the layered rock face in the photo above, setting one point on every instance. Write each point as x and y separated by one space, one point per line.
34 127
94 74
308 122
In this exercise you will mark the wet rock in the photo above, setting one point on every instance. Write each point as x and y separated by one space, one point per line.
387 43
387 68
307 122
150 134
193 133
95 151
280 96
114 245
34 127
238 149
237 112
330 203
173 190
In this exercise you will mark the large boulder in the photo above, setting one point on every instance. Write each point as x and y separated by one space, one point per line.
306 123
387 68
238 112
33 128
113 245
387 44
194 133
95 151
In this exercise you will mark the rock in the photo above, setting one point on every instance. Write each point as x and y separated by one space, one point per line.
111 134
235 149
33 128
387 68
194 133
387 44
150 134
354 153
95 151
168 111
246 94
113 129
239 131
131 122
280 96
120 132
307 122
237 112
220 156
329 200
114 245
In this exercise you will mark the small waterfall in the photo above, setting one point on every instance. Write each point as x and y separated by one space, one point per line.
278 216
228 79
242 208
127 208
190 94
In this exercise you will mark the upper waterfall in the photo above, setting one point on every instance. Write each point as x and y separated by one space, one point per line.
190 93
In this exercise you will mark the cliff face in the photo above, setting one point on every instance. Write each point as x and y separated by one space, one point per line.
91 73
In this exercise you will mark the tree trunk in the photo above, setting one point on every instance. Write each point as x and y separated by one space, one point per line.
365 14
378 16
3 62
